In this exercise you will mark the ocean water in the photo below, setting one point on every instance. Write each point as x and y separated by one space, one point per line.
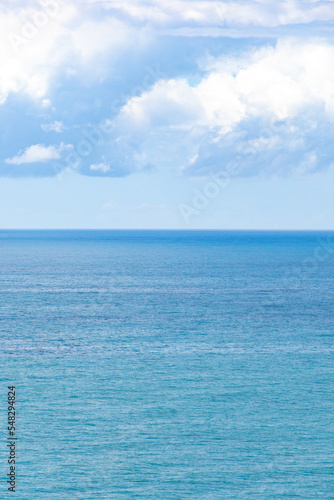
168 365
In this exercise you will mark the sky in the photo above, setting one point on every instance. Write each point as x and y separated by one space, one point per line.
156 114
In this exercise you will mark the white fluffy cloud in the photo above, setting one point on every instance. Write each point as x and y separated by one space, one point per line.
36 154
77 59
230 110
41 39
277 83
268 13
38 39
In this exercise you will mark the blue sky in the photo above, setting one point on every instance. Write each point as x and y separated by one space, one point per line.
167 114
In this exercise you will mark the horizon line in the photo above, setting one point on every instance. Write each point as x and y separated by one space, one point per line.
169 229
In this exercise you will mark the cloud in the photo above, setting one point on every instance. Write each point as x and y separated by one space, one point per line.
266 149
277 82
88 62
45 39
55 126
266 13
287 89
36 154
100 167
42 40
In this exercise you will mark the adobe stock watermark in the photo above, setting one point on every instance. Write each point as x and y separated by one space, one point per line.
93 137
211 190
39 20
293 279
218 182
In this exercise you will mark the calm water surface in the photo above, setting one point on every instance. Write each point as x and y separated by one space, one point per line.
168 365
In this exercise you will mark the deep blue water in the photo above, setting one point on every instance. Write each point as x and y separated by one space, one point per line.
168 365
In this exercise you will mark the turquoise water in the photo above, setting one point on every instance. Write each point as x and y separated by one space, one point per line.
168 365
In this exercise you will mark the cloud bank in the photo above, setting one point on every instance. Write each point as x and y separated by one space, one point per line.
267 13
83 70
273 110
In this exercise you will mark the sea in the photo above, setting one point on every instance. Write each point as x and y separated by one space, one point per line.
167 365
